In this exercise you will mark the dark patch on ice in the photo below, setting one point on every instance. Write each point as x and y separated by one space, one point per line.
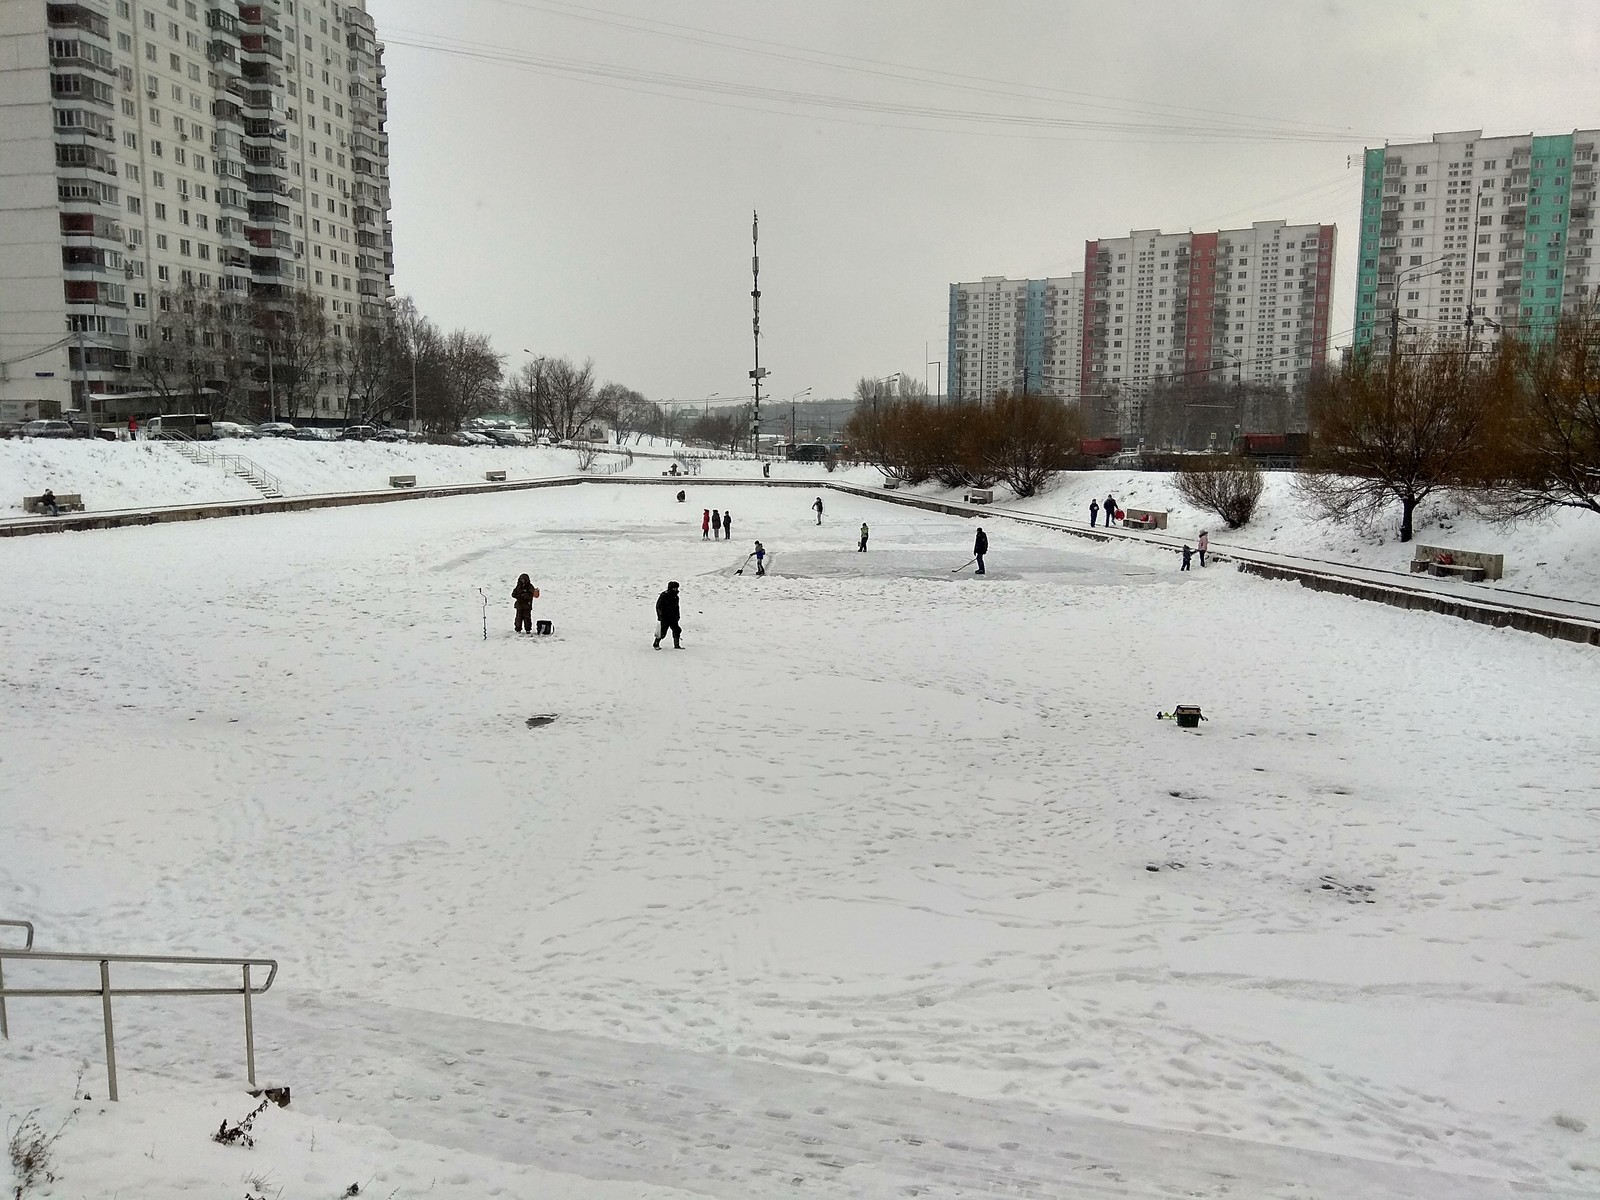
1171 866
1355 893
540 721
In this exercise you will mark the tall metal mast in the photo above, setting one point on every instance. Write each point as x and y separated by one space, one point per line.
755 298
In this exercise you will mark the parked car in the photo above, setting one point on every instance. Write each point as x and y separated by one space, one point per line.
392 435
308 434
507 437
357 433
48 429
275 429
233 429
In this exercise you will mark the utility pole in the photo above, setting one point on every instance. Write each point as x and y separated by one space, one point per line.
83 378
755 325
272 395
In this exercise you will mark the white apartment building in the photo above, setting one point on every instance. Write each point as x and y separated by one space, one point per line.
147 145
1465 232
1015 334
1241 305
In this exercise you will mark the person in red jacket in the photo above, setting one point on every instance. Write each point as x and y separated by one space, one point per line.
705 525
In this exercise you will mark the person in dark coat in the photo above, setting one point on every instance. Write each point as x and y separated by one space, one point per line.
1187 555
716 524
1110 509
863 546
667 617
48 503
681 497
766 470
522 596
817 504
1094 512
980 547
727 526
761 559
705 524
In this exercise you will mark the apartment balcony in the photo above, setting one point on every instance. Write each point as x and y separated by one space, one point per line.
89 227
79 17
222 21
259 16
365 216
89 291
226 112
265 158
259 47
266 212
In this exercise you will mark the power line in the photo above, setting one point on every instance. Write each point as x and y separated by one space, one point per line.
900 72
786 99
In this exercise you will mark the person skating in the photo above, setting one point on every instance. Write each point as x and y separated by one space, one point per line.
1110 509
705 525
727 526
1187 555
716 524
862 548
761 558
667 617
1205 545
1094 512
523 596
980 547
817 504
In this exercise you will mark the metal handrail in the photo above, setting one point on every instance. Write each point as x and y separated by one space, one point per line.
5 1031
105 991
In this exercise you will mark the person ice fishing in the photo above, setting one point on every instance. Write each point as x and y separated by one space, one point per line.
523 596
1110 509
761 558
705 525
727 526
980 547
682 496
1094 512
817 504
1205 545
716 524
862 548
1187 555
667 617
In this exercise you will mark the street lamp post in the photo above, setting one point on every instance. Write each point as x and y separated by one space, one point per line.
938 385
792 399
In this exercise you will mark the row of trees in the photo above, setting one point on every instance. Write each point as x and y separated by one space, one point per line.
1015 439
253 356
1514 430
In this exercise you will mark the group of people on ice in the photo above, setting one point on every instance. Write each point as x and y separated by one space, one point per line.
715 524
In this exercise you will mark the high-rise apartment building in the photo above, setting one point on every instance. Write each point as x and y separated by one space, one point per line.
1472 234
152 146
1240 305
1014 335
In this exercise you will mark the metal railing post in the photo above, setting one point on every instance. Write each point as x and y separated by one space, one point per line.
5 1029
111 1046
249 1031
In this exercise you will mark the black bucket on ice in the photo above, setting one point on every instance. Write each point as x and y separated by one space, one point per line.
1187 716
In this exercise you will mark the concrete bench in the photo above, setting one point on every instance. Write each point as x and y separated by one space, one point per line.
1465 571
65 502
1143 518
1426 558
979 496
491 476
402 481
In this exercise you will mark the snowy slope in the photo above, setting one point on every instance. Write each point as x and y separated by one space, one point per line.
912 835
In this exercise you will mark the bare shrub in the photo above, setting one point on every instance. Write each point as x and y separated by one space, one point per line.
1229 487
587 455
30 1149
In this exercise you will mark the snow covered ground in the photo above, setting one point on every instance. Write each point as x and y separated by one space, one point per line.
889 883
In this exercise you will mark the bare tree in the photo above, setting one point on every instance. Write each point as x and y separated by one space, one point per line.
568 399
1552 447
1229 487
298 333
178 360
1397 429
467 378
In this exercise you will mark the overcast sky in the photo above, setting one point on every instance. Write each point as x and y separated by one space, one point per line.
579 180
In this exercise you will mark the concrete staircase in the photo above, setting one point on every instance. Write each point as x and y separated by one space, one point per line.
246 469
